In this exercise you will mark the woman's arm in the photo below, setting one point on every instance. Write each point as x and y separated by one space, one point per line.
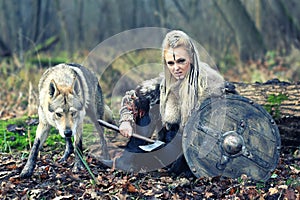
127 110
136 103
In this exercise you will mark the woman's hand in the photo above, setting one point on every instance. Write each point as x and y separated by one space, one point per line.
126 129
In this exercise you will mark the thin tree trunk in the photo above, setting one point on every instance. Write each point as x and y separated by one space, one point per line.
80 30
36 19
63 27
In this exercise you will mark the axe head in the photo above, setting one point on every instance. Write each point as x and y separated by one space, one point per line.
151 147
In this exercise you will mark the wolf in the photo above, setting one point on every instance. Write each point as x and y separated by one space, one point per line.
67 93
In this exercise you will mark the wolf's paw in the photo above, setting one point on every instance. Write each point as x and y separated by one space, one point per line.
69 150
105 154
78 166
26 173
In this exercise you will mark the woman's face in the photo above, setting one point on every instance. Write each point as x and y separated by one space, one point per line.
178 61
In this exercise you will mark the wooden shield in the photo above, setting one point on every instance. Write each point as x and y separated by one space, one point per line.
230 136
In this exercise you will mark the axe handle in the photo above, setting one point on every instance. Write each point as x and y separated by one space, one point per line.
115 128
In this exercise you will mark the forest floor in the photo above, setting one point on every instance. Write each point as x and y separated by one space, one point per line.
54 180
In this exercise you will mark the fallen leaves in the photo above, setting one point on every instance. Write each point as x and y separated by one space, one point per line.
53 180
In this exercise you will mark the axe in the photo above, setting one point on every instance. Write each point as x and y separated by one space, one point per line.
155 143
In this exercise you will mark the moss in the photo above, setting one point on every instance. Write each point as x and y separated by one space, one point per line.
12 141
273 104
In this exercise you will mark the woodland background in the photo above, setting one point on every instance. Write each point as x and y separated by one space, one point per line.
249 40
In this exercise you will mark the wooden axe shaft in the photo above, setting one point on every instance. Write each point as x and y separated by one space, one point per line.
116 128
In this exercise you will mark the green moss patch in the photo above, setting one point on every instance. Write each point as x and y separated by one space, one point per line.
273 104
19 134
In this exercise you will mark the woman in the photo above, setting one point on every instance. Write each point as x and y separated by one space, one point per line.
186 82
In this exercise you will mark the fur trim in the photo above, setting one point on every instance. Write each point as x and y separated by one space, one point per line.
172 109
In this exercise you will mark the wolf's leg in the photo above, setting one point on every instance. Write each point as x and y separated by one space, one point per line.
41 135
103 144
69 149
96 112
78 165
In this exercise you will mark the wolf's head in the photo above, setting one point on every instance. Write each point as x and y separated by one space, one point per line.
66 107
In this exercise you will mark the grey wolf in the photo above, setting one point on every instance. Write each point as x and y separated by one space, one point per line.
67 93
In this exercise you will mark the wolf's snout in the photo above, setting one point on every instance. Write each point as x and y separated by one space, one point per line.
68 132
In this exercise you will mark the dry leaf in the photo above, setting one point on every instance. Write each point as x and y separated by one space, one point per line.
63 197
149 192
131 188
232 191
294 170
11 167
15 179
283 187
46 169
208 194
273 191
89 160
44 176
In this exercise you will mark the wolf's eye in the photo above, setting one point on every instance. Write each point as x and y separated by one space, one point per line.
73 114
59 115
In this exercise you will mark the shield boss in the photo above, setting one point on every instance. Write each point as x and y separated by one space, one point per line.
231 136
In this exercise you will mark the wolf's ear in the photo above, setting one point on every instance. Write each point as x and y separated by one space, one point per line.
75 86
52 88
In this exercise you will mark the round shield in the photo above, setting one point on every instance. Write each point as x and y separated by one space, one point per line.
230 136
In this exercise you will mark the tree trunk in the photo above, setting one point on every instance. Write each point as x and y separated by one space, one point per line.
79 35
36 19
63 28
247 36
282 101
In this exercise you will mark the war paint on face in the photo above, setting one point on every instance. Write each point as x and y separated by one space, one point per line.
178 62
174 57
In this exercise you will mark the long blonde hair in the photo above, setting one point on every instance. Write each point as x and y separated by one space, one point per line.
191 88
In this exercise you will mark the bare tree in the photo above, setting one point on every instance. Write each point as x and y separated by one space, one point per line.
63 26
80 16
248 38
36 19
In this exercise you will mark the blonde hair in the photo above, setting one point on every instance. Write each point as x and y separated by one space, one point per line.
191 88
